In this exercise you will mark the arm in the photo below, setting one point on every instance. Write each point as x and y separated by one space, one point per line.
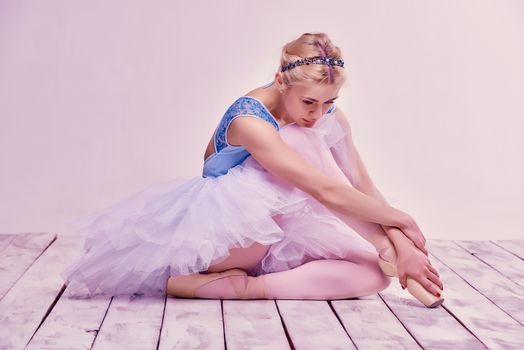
366 186
269 149
397 237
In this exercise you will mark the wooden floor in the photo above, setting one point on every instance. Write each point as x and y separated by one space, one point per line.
484 308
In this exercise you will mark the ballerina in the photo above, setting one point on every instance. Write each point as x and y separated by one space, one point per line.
284 209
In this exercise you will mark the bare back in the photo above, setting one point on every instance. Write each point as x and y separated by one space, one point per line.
232 136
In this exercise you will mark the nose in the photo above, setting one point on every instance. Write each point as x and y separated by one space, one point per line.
316 114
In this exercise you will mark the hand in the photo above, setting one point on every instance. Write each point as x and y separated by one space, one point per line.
410 228
413 263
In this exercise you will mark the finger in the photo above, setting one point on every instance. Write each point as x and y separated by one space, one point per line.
402 280
431 287
426 282
423 246
433 269
420 246
423 249
434 278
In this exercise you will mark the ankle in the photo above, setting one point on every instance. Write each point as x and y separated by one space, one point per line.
221 288
388 253
233 287
248 287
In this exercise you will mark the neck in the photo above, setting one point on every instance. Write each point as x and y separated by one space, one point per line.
275 104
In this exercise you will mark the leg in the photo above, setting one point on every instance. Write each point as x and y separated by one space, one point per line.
238 258
355 275
326 279
375 234
242 258
370 231
318 279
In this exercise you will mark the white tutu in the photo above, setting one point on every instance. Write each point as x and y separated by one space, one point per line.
182 226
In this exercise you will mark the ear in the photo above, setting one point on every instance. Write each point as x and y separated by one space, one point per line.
279 81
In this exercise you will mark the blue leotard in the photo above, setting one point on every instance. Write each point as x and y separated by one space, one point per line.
227 156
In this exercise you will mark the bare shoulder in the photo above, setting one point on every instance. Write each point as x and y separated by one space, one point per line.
243 128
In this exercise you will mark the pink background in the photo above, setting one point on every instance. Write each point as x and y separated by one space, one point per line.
99 99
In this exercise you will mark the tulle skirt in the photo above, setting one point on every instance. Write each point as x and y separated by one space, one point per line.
183 226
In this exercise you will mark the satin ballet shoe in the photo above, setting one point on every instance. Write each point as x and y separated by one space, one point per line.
414 287
185 286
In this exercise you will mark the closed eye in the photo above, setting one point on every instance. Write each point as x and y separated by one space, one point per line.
309 102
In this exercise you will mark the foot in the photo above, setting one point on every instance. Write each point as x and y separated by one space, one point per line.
234 287
185 286
387 259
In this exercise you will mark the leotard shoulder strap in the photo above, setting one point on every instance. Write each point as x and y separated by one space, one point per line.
243 106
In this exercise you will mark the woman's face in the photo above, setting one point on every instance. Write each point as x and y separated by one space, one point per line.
306 102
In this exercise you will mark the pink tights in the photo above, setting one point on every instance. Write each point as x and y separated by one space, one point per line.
356 275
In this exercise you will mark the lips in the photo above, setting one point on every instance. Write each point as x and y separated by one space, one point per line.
308 121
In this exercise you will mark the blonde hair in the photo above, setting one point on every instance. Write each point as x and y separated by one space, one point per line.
311 45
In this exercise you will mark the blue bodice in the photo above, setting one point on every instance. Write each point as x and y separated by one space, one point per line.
227 156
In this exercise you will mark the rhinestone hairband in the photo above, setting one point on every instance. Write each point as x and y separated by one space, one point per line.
323 60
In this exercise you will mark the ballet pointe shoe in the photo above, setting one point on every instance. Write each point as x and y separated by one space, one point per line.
185 286
248 287
387 259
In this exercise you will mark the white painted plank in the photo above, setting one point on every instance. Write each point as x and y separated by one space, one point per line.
5 239
508 295
371 325
491 325
514 246
27 302
192 324
311 324
253 324
16 258
427 325
132 322
72 324
499 259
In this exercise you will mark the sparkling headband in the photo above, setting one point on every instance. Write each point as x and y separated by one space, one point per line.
314 60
